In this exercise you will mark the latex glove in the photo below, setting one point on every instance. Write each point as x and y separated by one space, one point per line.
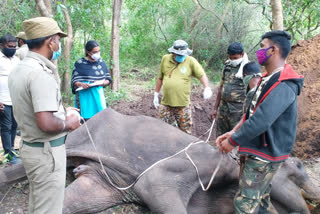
207 93
156 100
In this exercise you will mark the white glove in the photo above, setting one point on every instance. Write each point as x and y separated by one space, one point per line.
156 100
207 93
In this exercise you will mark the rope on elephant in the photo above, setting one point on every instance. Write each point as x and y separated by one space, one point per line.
164 159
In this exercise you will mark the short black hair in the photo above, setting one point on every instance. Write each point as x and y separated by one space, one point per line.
251 68
90 45
37 43
235 48
7 38
23 40
282 39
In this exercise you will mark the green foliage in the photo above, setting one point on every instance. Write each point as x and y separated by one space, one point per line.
149 28
13 13
5 158
302 18
113 97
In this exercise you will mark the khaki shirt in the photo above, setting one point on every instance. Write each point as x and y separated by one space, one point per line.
22 51
176 79
33 89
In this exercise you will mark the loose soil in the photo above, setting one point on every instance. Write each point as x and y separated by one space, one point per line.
304 58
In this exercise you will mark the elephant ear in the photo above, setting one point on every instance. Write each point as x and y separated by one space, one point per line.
12 174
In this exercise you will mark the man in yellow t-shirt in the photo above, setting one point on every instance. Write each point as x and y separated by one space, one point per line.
175 74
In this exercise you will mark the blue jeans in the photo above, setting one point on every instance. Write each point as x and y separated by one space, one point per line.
8 129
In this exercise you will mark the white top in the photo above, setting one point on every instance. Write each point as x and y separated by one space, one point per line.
6 66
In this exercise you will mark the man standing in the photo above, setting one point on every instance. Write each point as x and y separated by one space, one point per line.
175 74
22 44
267 133
7 122
231 92
36 98
251 78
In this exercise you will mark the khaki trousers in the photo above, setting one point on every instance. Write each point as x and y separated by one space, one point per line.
46 172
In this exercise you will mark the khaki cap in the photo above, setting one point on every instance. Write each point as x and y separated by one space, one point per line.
21 35
40 27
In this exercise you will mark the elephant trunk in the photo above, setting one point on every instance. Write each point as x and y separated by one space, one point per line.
310 191
12 174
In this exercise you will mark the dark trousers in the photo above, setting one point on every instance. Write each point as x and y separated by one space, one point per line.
8 129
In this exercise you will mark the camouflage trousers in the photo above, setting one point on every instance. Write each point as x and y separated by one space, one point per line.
229 114
179 115
255 186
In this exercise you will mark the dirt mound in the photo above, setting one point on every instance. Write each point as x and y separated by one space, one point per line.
305 60
201 109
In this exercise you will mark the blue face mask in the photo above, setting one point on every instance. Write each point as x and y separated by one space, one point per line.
56 54
180 58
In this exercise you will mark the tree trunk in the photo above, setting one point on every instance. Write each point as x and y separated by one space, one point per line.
115 43
196 16
43 8
226 10
48 6
277 16
69 40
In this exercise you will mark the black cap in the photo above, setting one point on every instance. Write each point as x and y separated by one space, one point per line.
251 68
235 48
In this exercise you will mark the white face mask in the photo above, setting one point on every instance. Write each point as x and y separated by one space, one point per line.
235 62
96 56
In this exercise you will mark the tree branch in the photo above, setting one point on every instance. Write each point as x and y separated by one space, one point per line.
43 9
224 25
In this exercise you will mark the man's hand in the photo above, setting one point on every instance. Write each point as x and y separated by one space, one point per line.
1 107
75 111
72 122
225 146
156 100
207 93
214 114
223 137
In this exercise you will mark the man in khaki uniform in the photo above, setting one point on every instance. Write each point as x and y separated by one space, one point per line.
36 99
22 44
175 74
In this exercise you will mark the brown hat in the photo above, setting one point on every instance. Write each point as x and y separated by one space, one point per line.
21 35
40 27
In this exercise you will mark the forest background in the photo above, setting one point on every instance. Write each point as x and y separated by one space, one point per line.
135 34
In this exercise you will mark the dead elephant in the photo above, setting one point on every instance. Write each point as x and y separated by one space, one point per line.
127 145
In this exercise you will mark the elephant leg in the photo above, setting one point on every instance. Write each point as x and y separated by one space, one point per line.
166 190
88 194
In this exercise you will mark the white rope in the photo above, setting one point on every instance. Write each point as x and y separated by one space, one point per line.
164 159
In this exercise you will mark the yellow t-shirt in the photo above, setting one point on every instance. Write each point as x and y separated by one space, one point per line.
176 79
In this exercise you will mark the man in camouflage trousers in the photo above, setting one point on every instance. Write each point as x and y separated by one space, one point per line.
266 133
251 78
175 74
231 92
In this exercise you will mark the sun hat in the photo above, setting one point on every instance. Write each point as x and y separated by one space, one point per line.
180 47
21 35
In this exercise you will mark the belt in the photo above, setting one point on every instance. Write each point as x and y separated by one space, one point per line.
259 159
53 143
